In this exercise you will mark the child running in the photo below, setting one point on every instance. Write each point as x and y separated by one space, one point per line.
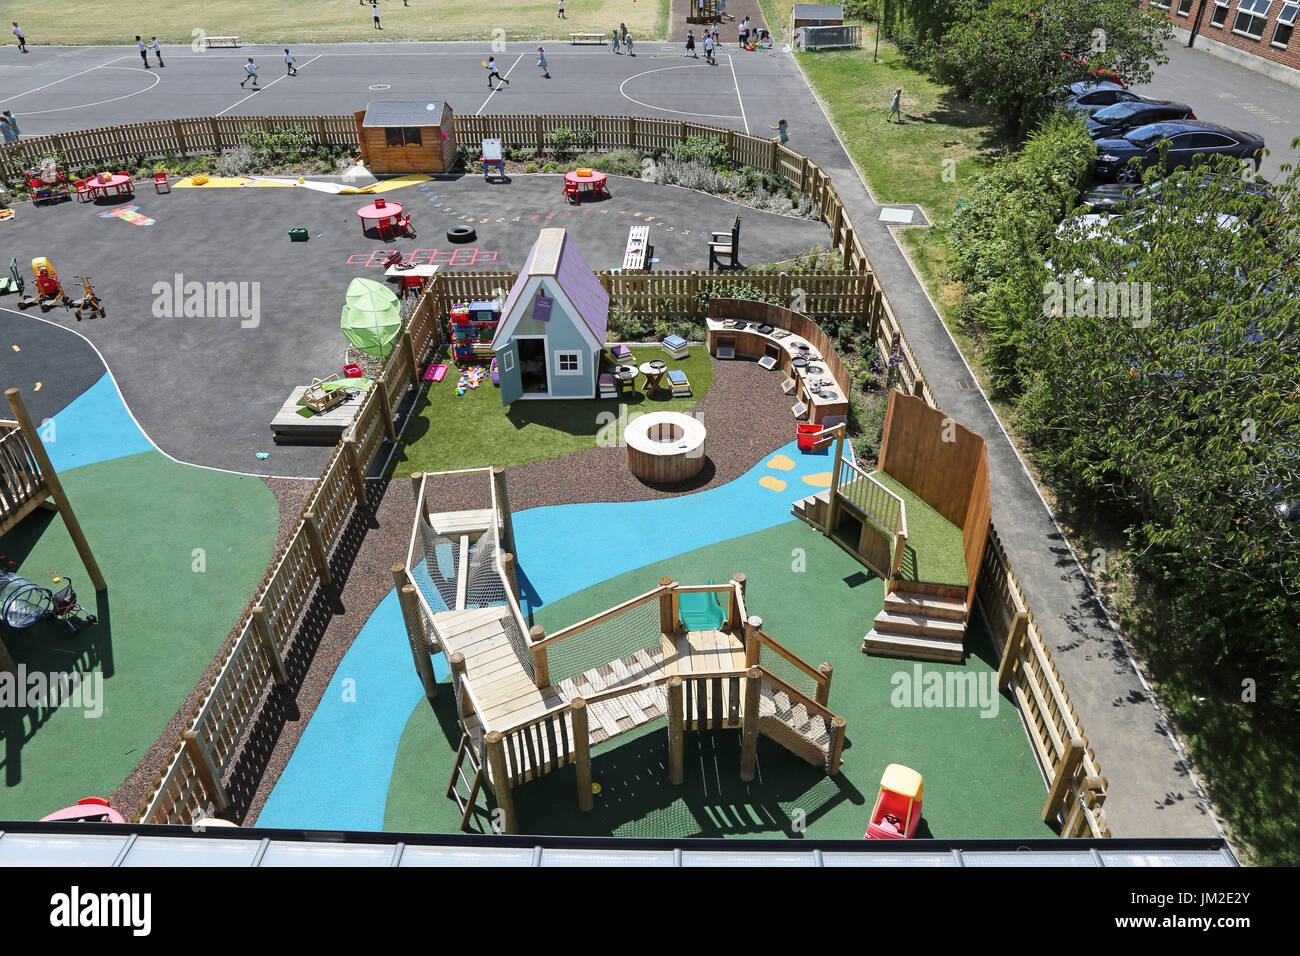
290 69
250 71
492 72
541 64
690 45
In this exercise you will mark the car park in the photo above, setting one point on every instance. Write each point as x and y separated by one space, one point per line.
1173 145
1118 118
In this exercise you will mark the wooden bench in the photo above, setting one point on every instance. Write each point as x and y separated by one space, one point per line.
637 256
576 38
210 42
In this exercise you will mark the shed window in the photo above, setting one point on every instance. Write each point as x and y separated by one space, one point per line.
403 136
568 363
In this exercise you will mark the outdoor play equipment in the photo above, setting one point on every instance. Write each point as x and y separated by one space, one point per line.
86 810
898 805
810 437
472 328
23 603
14 281
665 447
88 304
47 182
493 161
49 291
371 316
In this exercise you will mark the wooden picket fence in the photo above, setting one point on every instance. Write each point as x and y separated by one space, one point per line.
208 746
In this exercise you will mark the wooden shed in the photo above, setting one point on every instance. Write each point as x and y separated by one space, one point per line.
407 136
815 15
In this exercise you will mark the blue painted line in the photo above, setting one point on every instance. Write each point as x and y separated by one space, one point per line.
94 427
338 776
566 548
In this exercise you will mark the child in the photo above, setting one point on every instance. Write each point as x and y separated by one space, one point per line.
250 70
291 70
561 14
742 32
374 12
157 50
492 72
782 131
708 48
895 106
613 40
144 53
22 38
9 130
690 45
541 64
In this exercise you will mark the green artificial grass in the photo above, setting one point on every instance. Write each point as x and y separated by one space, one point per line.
166 611
935 553
474 430
980 773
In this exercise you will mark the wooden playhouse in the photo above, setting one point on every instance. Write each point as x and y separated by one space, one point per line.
407 136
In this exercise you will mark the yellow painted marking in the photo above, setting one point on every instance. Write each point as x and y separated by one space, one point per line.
214 182
781 463
772 484
37 388
819 480
16 349
391 184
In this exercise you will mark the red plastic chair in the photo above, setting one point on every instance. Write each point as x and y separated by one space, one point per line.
127 187
412 285
404 226
159 181
83 190
571 193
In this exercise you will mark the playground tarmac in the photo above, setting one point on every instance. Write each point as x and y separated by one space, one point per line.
1152 789
204 388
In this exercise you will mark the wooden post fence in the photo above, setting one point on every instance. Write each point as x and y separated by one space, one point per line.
541 667
1011 653
496 755
676 730
582 752
749 724
415 630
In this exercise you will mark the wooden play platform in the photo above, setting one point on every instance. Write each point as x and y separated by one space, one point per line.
531 703
296 423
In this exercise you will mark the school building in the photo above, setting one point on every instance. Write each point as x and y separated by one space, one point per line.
1257 34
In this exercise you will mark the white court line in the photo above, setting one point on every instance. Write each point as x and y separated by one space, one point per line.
663 109
506 76
83 106
739 99
267 87
60 80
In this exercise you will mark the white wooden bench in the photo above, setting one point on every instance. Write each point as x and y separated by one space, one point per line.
587 38
636 258
210 42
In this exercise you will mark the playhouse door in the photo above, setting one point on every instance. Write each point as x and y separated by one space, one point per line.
508 370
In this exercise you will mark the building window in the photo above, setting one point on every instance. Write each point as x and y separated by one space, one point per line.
568 363
1285 24
508 362
1251 16
1220 15
402 136
1185 7
1159 4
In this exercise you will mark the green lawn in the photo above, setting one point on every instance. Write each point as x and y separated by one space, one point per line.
980 774
450 431
114 22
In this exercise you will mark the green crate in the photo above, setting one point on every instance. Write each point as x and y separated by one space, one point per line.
298 235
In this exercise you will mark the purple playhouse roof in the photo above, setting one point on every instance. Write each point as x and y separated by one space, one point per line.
555 255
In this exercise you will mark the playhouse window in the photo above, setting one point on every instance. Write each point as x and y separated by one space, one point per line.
402 136
508 362
568 363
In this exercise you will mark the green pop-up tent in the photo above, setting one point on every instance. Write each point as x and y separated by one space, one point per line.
371 316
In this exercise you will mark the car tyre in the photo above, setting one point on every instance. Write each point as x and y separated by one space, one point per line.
461 234
1128 175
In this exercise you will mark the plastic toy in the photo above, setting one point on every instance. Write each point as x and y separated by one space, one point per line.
473 327
87 810
352 370
496 373
13 282
435 373
88 304
898 806
49 292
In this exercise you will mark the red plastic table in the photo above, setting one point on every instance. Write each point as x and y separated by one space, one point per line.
385 216
116 182
594 184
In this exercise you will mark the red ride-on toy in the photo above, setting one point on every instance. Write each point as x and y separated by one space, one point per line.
49 291
898 806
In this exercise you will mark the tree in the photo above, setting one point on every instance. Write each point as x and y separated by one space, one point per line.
1166 387
1014 55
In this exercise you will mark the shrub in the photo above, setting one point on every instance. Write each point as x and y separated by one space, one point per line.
237 162
619 162
564 142
530 168
710 152
551 167
281 144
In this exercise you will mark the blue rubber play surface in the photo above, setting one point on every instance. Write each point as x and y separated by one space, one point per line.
338 775
94 427
566 548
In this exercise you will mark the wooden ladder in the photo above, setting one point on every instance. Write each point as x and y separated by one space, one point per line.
458 779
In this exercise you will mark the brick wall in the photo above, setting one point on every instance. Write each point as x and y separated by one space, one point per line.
1225 21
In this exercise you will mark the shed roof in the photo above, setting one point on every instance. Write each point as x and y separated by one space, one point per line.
403 113
818 11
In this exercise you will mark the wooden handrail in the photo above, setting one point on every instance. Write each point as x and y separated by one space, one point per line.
808 702
595 619
782 651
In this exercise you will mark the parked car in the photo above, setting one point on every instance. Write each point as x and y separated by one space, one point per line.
1108 196
1118 118
1088 96
1096 71
1188 141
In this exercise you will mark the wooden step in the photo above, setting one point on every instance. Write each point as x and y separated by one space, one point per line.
923 624
920 647
799 745
927 605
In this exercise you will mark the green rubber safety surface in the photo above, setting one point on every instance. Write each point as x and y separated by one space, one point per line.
181 549
980 773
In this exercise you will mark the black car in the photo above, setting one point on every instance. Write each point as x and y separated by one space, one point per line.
1107 197
1088 96
1119 118
1188 141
